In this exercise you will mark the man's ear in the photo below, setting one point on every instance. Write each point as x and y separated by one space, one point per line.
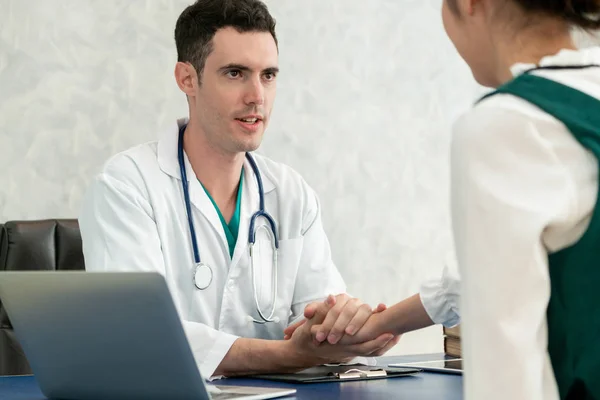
186 78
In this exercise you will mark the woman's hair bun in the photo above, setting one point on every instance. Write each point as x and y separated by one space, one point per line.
581 13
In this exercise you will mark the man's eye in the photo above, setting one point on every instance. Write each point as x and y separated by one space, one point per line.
233 74
269 76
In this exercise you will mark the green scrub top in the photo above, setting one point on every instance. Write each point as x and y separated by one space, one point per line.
232 228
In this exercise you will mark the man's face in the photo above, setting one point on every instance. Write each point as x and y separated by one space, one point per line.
236 91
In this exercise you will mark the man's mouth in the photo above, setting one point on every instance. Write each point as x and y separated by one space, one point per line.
248 120
250 123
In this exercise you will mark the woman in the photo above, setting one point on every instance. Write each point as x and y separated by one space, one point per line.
525 210
524 199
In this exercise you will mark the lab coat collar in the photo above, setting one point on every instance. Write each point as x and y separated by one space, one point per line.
565 57
169 164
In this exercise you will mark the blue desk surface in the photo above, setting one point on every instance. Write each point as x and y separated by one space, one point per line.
423 386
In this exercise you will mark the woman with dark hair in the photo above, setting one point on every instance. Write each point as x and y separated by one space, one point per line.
525 211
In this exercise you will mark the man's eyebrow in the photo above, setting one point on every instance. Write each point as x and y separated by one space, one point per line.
241 67
234 66
271 70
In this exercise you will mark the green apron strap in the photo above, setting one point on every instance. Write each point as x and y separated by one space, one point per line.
565 103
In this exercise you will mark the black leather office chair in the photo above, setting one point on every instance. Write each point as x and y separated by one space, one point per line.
34 245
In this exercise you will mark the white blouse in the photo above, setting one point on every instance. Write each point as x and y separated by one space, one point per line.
522 187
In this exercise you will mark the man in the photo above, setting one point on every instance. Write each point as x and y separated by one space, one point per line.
183 207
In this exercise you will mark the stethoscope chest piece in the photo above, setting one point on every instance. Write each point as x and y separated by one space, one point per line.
203 276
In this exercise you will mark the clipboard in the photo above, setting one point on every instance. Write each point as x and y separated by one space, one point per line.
339 373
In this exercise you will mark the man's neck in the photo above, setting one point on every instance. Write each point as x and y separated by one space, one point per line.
218 171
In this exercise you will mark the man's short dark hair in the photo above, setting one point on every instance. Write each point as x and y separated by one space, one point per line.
198 23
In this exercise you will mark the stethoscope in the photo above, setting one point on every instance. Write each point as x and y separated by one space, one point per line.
203 273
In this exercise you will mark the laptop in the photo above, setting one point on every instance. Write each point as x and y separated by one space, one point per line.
105 335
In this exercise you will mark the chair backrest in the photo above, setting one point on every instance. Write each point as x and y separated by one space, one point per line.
53 244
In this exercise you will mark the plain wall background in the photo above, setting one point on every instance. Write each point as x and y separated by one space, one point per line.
367 95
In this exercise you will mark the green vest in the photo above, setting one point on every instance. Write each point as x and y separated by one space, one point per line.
574 309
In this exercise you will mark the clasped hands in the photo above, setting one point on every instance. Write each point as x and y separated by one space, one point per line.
341 328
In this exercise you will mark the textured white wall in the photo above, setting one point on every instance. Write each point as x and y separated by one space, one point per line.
365 102
366 97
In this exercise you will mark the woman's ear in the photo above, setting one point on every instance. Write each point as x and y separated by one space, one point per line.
464 7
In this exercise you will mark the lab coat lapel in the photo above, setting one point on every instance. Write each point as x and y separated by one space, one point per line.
202 203
168 161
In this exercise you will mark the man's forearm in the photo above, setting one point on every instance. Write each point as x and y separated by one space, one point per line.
254 356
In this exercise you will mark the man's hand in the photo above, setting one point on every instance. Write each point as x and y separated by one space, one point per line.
335 317
301 351
302 347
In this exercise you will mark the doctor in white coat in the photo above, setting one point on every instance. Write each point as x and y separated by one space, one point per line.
135 215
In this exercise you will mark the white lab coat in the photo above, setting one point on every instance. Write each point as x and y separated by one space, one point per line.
522 187
134 219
